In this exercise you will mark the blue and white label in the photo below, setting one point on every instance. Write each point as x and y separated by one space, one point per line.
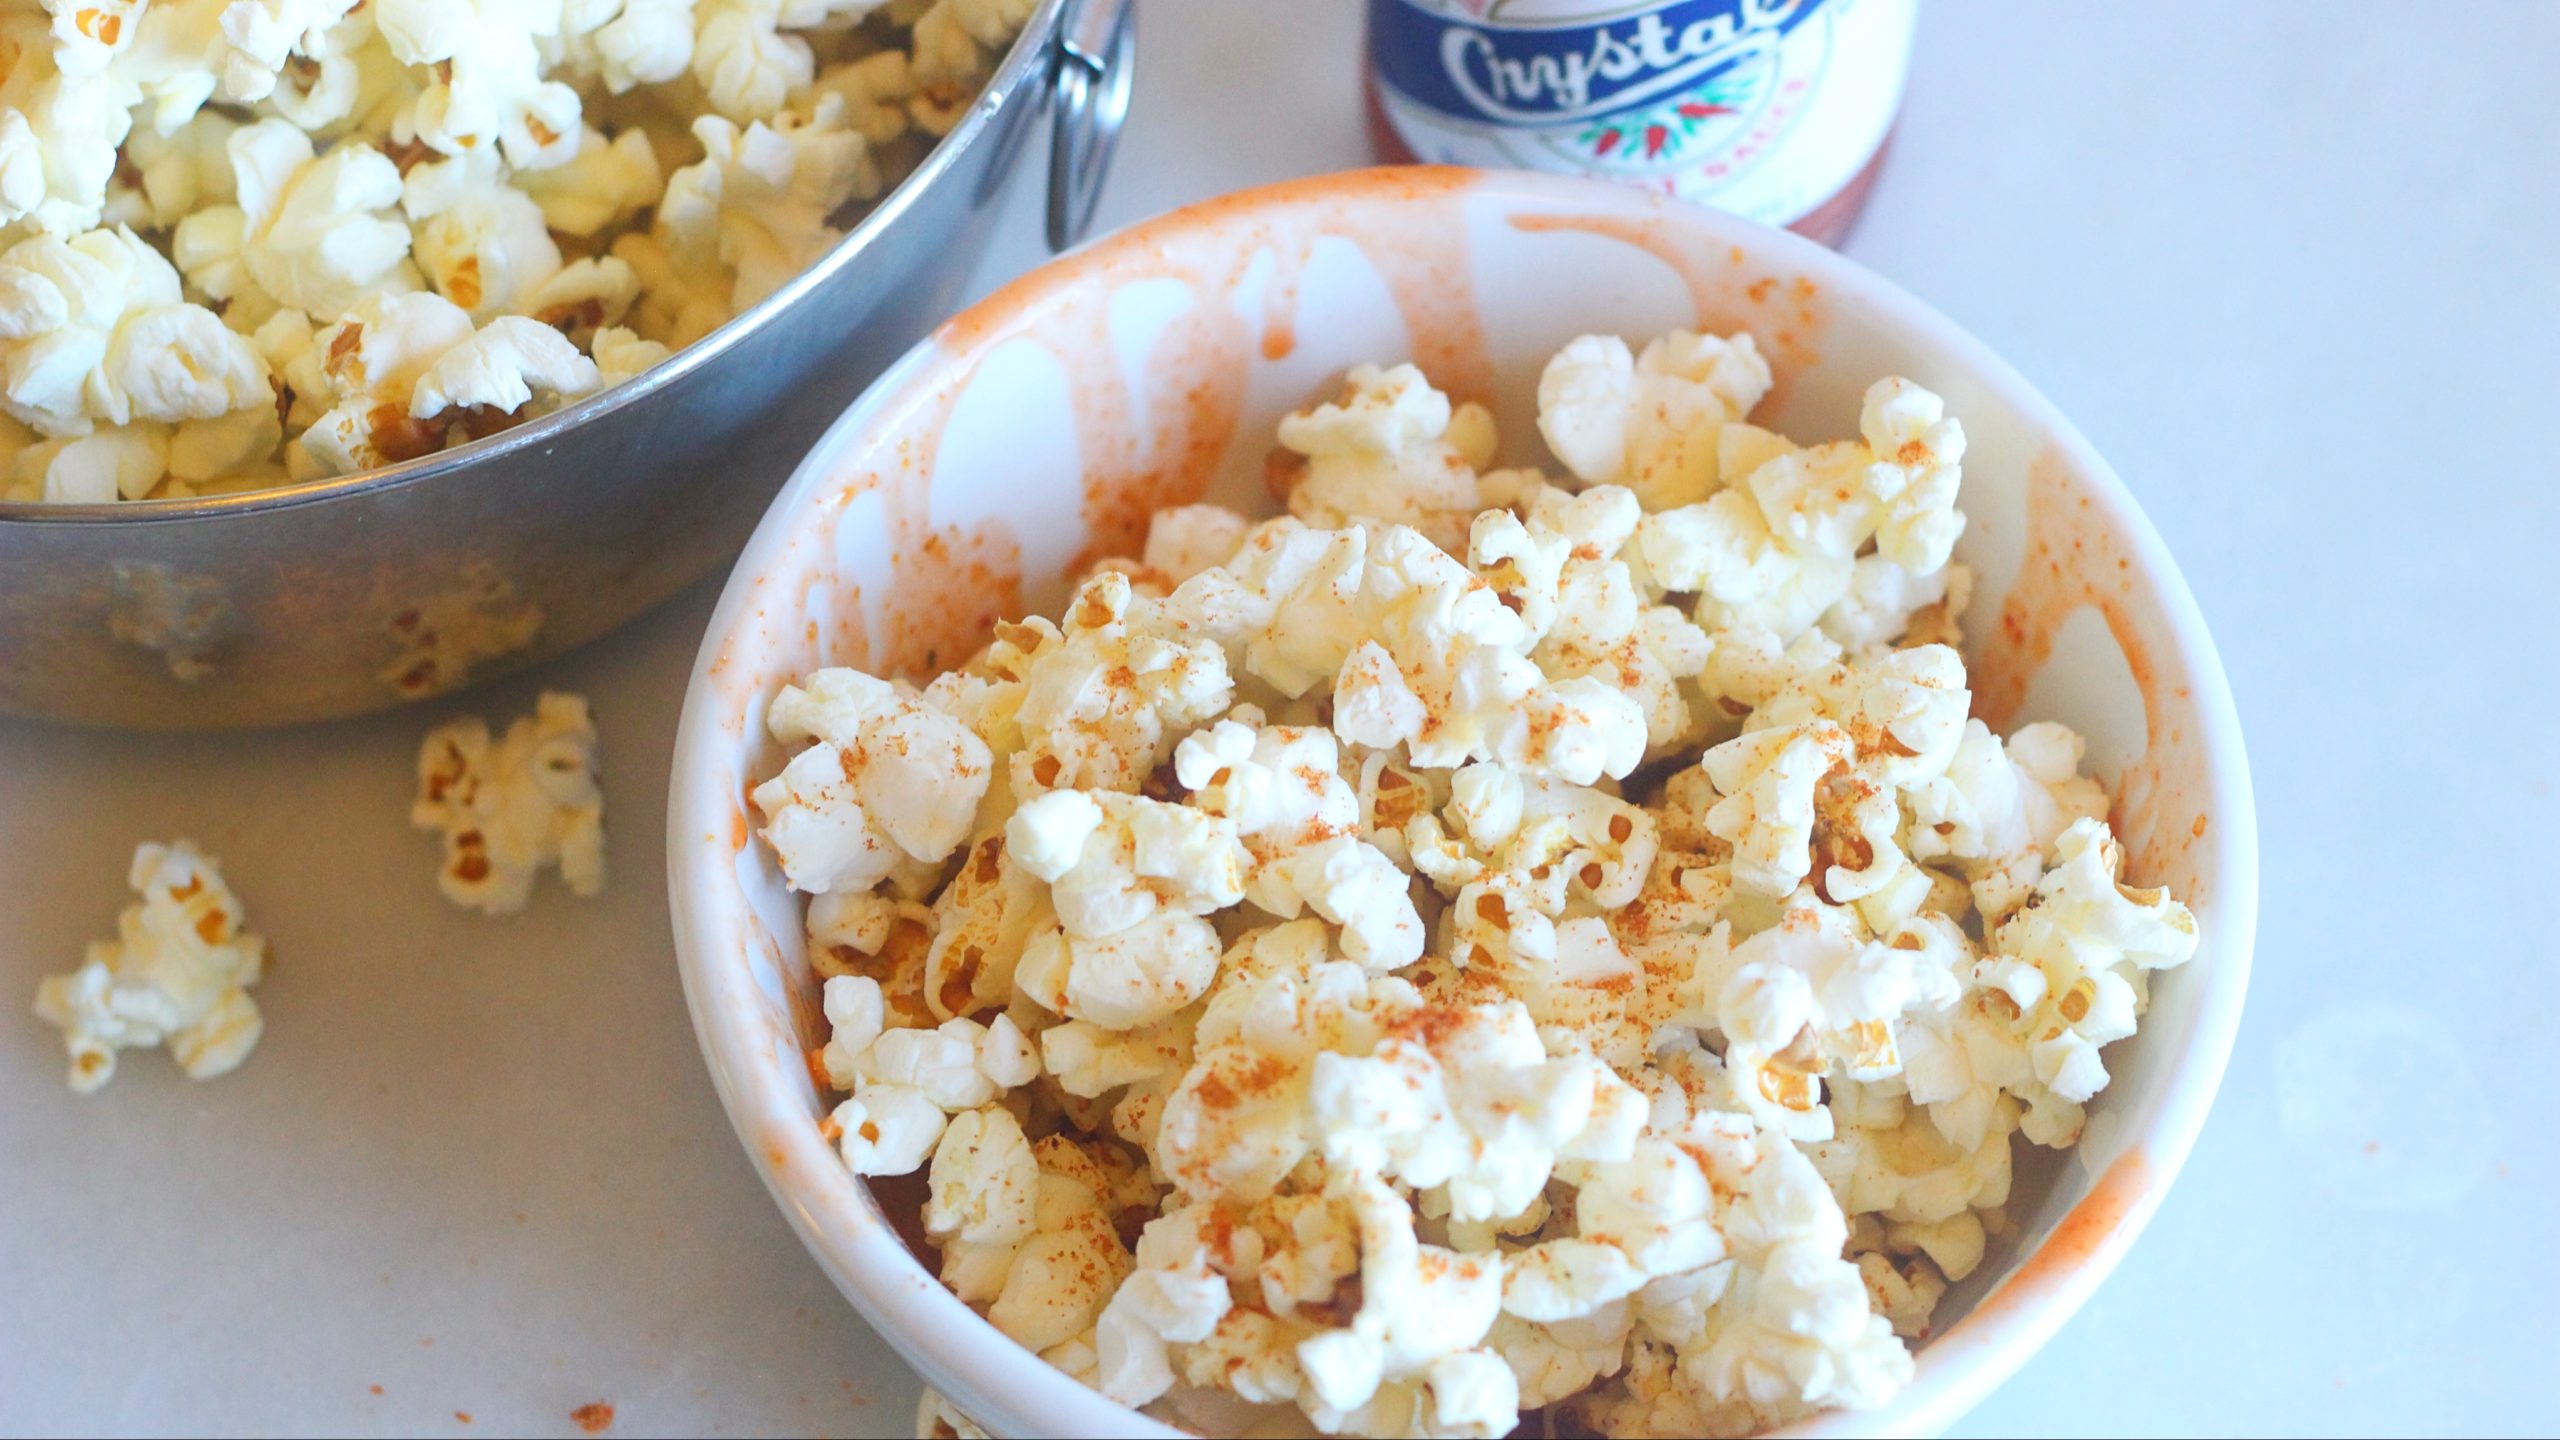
1767 107
1547 74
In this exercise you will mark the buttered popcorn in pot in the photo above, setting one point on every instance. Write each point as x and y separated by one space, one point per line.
245 242
1484 942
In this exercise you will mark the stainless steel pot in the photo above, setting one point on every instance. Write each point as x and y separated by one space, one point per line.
348 595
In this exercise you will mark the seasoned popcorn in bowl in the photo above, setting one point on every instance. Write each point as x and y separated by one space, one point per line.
249 242
1484 942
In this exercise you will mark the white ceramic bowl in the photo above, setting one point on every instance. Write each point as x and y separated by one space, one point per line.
1040 428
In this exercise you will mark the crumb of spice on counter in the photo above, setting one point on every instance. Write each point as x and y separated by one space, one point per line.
594 1417
462 1415
376 1389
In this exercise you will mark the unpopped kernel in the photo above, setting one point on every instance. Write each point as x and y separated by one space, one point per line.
1483 941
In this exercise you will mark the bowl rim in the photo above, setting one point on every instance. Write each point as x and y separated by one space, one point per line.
1030 49
1955 1369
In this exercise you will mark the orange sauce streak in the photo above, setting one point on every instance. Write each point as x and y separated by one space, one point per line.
2073 561
1782 314
2072 1245
1143 452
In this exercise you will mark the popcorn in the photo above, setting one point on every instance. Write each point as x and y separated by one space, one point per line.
1481 977
1651 423
92 331
1187 539
955 41
757 203
983 1201
1115 861
888 782
309 231
260 37
1296 816
173 175
2090 939
509 808
745 65
1767 779
1563 571
263 145
487 91
642 42
1060 1279
498 370
360 374
1998 807
605 184
178 973
59 129
1391 449
1103 701
486 250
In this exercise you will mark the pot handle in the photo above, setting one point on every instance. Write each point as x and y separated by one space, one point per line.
1097 53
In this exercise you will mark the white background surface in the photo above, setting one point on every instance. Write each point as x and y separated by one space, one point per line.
2295 268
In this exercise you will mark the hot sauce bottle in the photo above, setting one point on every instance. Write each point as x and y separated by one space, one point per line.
1775 109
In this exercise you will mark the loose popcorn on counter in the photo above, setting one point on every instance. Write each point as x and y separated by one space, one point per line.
1481 942
217 217
509 807
178 973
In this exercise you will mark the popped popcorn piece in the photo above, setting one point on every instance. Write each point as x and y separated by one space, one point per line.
512 806
756 204
1101 702
165 178
887 781
485 250
59 130
1651 423
488 90
1563 571
259 38
499 370
1999 807
1187 539
1780 546
619 355
956 45
93 330
1391 449
178 973
605 184
1059 1280
746 66
1767 779
2090 938
309 232
631 43
1283 789
359 374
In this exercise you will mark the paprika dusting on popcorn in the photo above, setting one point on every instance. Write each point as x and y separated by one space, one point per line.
1483 941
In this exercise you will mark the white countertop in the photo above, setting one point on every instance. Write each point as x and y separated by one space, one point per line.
2294 267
